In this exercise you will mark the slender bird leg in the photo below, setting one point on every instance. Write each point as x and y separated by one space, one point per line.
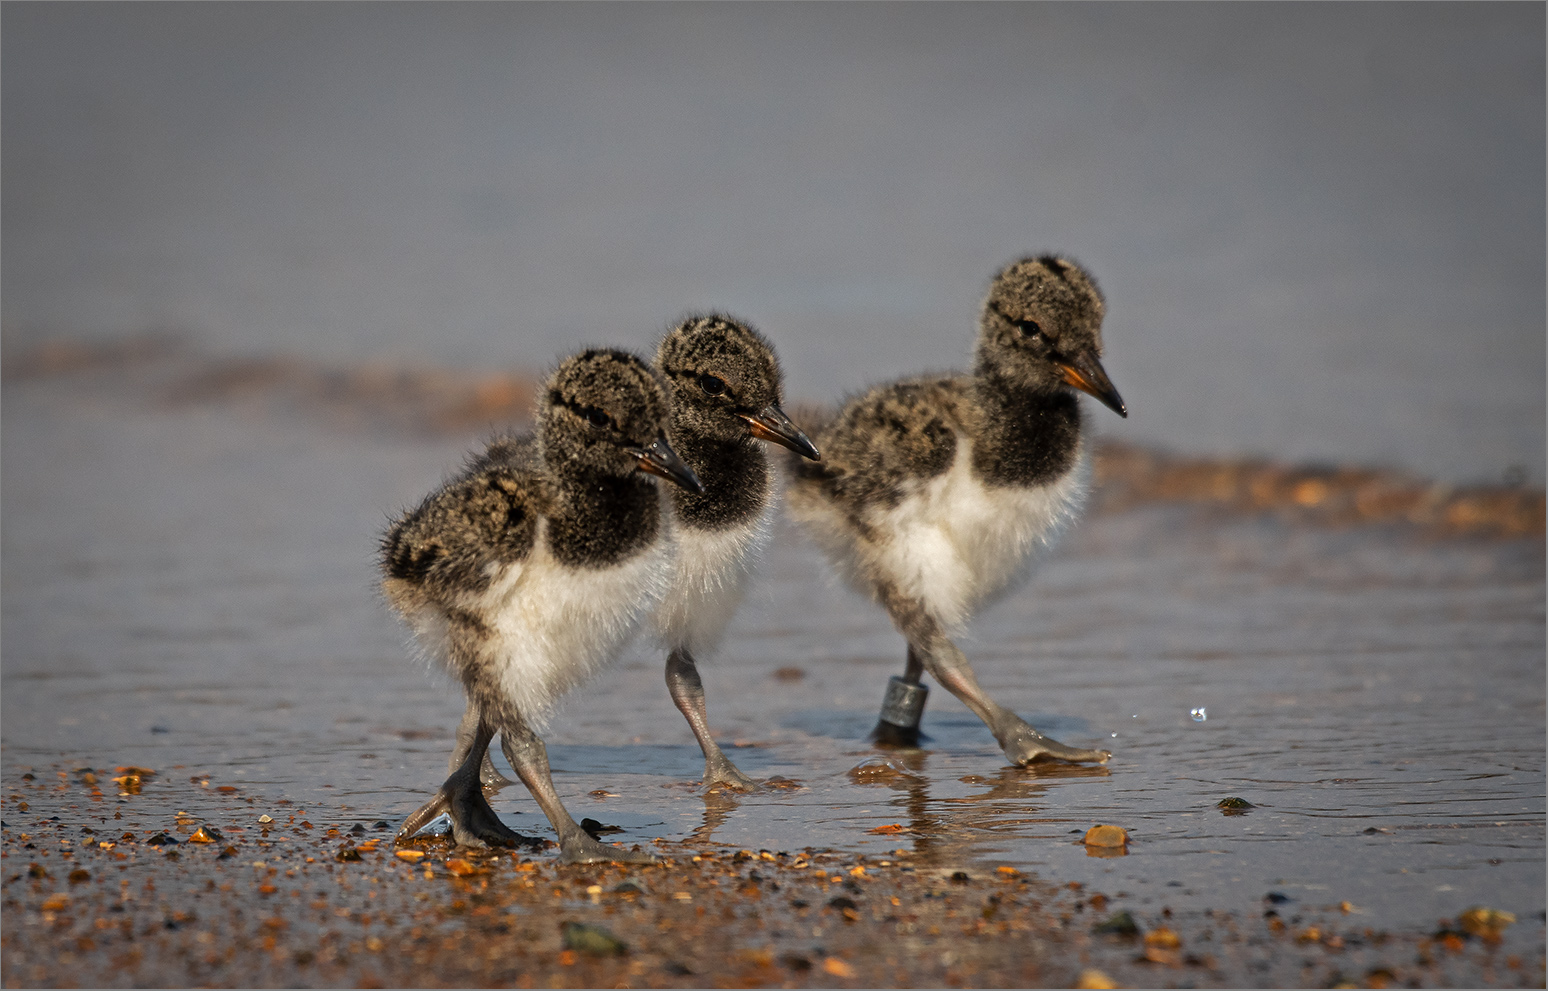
902 706
682 678
529 757
491 779
947 664
461 797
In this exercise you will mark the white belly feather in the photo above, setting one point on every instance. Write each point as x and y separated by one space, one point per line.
551 626
953 542
709 579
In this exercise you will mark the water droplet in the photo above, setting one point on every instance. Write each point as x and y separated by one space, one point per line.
1199 715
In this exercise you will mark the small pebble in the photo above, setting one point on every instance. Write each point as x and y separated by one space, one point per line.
591 939
1106 836
1487 923
837 967
1117 924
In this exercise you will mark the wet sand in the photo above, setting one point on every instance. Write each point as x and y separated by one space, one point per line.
310 904
187 589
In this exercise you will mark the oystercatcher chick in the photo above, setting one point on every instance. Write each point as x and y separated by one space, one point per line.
527 572
936 494
725 385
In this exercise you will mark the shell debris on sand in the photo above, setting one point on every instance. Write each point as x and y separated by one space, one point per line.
283 910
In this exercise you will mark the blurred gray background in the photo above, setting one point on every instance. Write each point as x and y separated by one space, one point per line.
1320 227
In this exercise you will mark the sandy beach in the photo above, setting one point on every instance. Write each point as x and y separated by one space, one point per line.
303 904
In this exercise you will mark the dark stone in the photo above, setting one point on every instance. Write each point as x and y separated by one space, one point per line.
595 829
1118 924
590 939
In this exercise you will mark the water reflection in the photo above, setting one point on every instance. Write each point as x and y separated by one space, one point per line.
718 806
941 830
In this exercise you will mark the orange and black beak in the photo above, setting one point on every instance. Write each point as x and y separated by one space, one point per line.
774 426
1085 373
660 459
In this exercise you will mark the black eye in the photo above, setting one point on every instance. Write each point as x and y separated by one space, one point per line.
711 385
596 417
1028 328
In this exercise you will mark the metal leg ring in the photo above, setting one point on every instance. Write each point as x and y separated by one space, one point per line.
904 703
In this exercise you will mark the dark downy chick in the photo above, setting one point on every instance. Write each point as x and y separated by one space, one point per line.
936 495
725 385
526 573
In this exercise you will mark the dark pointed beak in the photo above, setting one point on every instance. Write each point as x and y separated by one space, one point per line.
660 459
774 426
1086 373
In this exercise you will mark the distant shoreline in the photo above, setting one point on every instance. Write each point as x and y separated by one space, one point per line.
170 372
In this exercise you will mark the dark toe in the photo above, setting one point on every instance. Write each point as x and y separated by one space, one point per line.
473 818
421 817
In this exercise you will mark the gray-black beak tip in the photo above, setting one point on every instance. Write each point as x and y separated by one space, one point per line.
1085 372
660 460
772 425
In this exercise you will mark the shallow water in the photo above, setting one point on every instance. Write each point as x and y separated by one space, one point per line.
190 588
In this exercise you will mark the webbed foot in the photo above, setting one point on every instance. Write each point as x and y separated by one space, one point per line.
474 822
722 774
1025 744
421 817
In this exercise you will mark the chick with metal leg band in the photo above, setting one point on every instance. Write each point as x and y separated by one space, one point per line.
937 494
